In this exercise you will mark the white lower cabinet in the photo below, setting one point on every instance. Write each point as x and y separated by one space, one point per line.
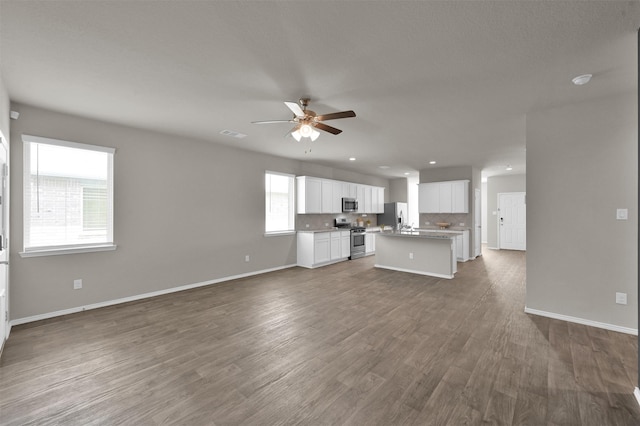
345 243
321 248
336 245
369 243
462 246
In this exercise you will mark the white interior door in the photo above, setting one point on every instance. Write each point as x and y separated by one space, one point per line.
477 224
4 249
512 221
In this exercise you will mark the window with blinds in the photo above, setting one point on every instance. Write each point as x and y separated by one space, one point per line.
68 195
279 205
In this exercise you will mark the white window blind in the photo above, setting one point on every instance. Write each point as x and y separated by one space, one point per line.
279 202
68 195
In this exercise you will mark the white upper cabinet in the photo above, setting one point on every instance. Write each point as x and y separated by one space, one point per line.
429 198
360 198
368 199
339 189
380 205
309 194
327 196
444 197
352 190
460 196
317 195
374 200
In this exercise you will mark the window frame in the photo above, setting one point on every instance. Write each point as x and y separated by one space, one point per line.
37 251
292 204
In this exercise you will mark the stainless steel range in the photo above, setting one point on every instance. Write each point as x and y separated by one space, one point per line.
357 242
357 237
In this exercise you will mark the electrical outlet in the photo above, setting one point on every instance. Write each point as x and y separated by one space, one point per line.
410 255
461 223
306 225
326 224
427 223
77 284
247 258
621 298
622 214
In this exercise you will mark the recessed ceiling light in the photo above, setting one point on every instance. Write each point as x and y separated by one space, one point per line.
352 158
384 167
509 168
432 162
407 173
581 79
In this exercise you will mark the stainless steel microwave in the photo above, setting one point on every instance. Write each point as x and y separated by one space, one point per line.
349 205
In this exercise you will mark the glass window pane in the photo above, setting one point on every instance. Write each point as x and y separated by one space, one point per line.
67 196
279 206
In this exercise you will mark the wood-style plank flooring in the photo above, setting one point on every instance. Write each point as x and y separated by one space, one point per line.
343 344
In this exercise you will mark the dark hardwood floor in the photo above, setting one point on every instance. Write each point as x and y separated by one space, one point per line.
343 344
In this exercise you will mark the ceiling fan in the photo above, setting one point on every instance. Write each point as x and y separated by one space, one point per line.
308 121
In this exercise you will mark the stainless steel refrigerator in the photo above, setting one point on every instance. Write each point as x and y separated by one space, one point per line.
395 214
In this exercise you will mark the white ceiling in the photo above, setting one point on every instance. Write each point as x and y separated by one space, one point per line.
449 81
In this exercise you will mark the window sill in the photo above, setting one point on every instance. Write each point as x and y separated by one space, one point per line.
279 233
68 250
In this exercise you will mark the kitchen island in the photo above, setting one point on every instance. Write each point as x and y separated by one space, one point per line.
424 253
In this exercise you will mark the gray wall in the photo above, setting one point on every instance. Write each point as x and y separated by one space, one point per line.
186 211
496 185
581 167
398 190
484 212
440 174
4 127
4 109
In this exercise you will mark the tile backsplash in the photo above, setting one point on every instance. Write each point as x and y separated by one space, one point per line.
455 219
320 221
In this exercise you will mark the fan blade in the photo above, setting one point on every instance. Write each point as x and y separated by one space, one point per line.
335 115
326 128
272 121
295 108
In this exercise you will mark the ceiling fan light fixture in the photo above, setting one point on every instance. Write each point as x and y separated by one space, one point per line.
306 131
296 135
314 135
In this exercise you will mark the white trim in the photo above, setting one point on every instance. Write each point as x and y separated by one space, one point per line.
636 393
70 250
279 233
68 144
411 271
48 315
327 263
582 321
27 194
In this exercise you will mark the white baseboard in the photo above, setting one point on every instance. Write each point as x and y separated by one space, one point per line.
48 315
636 393
582 321
493 248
